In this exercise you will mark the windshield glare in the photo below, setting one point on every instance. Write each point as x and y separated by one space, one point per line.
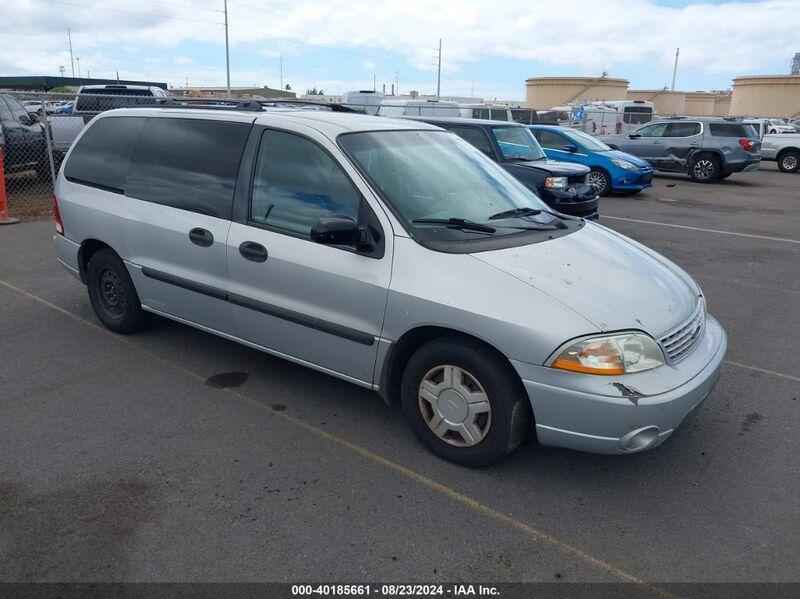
517 143
435 174
587 141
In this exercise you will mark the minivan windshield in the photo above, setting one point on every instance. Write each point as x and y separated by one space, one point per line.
517 143
435 175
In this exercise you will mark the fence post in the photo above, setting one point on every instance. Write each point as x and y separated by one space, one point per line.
49 145
4 218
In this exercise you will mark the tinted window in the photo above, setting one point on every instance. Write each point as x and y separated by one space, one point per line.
189 164
682 129
296 182
729 130
524 116
654 130
499 115
637 114
5 111
475 137
102 155
550 140
18 111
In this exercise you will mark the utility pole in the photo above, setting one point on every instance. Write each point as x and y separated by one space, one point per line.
471 88
78 60
374 82
118 76
71 60
675 69
88 74
61 70
227 56
439 71
280 66
397 81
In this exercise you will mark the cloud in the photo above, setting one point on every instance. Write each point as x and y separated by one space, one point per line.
573 36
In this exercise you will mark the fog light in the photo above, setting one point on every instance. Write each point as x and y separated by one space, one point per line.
640 439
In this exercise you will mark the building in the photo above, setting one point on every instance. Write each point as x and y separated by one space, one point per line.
543 93
766 96
242 93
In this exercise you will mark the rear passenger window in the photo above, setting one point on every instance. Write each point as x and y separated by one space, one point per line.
102 155
296 182
729 130
188 163
682 129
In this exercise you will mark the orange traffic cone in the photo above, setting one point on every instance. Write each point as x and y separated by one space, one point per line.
4 218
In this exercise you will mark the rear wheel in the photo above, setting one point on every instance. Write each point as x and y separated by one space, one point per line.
464 402
704 169
789 162
600 179
112 293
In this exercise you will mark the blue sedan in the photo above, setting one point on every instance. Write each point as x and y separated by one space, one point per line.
612 170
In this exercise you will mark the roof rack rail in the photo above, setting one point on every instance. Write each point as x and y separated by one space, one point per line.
209 104
332 106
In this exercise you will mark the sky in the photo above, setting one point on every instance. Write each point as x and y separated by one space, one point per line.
489 47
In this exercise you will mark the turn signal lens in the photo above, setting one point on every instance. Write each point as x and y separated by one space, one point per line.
622 353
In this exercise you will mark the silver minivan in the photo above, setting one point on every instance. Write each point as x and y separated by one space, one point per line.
394 255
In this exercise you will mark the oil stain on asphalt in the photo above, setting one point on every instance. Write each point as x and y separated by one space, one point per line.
227 380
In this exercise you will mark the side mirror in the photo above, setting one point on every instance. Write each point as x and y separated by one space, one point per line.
570 148
335 230
634 135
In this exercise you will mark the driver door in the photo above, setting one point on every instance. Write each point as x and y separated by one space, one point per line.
650 143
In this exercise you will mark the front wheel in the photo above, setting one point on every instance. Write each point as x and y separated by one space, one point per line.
464 402
112 293
704 169
600 179
789 162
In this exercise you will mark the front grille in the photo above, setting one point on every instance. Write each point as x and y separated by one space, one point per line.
576 180
679 343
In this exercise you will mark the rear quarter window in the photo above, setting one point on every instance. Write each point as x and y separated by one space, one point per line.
730 130
189 164
101 156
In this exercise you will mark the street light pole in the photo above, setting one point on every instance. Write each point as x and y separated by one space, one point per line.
78 60
439 71
71 60
675 69
227 56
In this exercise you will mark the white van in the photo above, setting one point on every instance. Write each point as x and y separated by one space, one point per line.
365 99
419 108
489 112
611 117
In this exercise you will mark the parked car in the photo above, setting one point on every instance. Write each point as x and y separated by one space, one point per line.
611 170
22 138
779 126
706 148
391 254
562 185
490 112
784 149
92 99
418 108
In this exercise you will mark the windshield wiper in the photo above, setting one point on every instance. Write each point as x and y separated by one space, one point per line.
524 211
456 223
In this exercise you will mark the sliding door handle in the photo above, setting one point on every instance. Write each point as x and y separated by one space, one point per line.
253 251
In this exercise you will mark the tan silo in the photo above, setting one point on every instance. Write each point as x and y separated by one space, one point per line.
666 102
699 104
722 104
766 95
543 93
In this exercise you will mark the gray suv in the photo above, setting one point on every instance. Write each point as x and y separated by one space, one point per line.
396 256
706 148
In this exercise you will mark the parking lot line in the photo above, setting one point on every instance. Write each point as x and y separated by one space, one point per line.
764 370
396 467
652 222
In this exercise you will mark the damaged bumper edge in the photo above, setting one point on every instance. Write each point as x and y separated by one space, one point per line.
630 413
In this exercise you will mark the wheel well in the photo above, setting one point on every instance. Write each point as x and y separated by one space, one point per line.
409 342
88 249
710 153
785 151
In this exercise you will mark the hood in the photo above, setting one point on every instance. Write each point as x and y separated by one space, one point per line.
610 280
551 167
627 157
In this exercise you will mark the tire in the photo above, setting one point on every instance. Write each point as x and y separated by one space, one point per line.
789 162
456 369
112 293
705 168
601 180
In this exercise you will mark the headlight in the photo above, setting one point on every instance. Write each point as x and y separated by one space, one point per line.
624 164
622 353
555 182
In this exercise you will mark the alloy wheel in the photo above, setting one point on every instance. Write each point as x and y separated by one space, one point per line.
597 179
789 162
455 405
704 169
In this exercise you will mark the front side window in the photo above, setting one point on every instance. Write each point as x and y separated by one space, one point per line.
296 182
654 130
682 129
517 143
102 155
435 175
474 137
189 164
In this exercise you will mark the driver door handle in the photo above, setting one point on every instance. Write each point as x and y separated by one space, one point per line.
253 251
201 237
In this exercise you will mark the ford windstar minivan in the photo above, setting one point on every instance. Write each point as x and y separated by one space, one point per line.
394 255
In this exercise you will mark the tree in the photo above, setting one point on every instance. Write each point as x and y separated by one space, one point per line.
313 91
288 87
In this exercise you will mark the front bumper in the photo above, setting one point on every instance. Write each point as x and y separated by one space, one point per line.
599 414
633 180
579 200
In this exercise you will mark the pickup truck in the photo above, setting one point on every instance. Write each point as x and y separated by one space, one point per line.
783 148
